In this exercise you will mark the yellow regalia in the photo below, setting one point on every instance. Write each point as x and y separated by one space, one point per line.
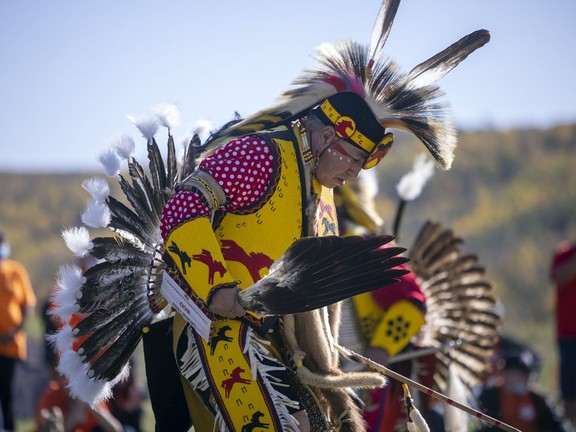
234 361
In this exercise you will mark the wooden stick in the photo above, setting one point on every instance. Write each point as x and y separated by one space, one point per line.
424 351
390 373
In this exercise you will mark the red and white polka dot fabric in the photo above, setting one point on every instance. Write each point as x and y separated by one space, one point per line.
244 169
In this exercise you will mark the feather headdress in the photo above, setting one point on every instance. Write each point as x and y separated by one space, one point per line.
409 101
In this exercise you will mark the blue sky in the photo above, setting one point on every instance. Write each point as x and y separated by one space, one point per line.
73 69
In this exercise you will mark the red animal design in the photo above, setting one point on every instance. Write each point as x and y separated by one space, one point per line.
235 377
253 261
213 266
325 208
344 126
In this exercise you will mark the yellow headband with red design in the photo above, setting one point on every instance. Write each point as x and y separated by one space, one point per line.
345 128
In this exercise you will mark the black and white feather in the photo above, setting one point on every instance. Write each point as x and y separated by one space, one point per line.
319 271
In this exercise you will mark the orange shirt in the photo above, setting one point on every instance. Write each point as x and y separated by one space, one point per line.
518 411
15 296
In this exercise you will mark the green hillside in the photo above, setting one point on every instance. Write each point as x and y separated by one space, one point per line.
510 194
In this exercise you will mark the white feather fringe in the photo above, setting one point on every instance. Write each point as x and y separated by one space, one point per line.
257 352
97 187
147 124
96 215
62 340
78 240
86 389
110 162
168 115
411 184
123 144
191 367
69 281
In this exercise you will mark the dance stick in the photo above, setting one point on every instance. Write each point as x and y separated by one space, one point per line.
390 373
424 351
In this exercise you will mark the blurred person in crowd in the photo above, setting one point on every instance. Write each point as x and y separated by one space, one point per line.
16 301
515 399
57 410
563 276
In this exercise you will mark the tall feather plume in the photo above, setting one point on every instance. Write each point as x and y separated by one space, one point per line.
408 101
460 302
410 187
382 27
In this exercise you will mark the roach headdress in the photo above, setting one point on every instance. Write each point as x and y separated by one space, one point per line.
409 101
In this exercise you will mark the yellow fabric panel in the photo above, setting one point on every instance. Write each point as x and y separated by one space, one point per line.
327 222
399 323
196 252
369 314
260 238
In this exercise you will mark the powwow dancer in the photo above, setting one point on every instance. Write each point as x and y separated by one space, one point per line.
263 187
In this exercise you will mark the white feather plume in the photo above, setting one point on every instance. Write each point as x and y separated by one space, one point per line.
69 281
96 215
70 364
203 127
77 239
147 124
87 389
123 144
122 376
417 423
110 162
411 184
168 115
62 341
97 187
455 419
